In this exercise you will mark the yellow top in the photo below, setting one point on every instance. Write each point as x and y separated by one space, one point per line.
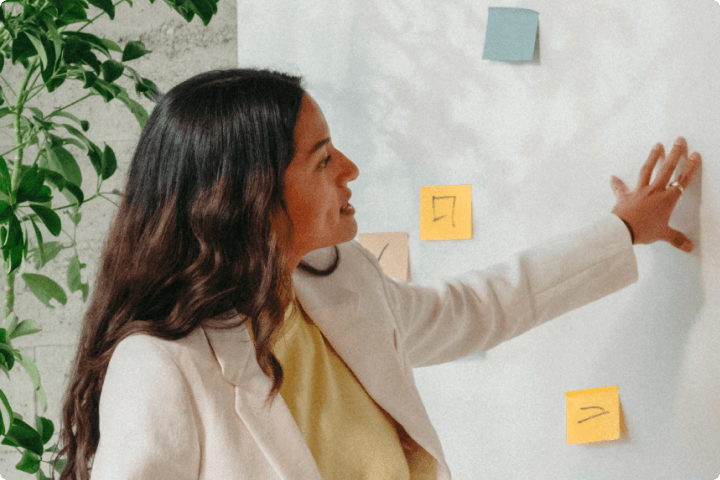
350 436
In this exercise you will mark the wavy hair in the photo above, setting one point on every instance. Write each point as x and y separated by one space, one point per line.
196 236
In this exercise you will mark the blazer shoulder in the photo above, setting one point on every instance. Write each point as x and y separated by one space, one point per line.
143 345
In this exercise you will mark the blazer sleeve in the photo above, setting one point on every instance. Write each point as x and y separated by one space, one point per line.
482 308
147 425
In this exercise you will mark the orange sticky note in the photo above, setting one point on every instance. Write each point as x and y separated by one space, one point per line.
593 415
392 251
445 212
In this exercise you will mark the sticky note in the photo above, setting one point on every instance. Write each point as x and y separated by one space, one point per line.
392 251
445 212
593 415
511 34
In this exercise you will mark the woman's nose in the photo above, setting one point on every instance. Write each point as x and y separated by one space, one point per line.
350 170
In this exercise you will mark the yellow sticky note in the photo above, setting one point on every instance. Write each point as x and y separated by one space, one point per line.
593 415
445 212
392 251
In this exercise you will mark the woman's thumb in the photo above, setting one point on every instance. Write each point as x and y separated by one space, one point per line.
678 240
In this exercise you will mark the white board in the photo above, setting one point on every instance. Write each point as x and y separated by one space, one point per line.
409 98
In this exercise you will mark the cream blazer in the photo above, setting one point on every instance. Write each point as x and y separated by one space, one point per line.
196 408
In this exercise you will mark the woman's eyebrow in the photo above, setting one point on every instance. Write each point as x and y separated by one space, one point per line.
319 145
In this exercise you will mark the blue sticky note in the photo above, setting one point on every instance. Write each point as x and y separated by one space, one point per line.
511 34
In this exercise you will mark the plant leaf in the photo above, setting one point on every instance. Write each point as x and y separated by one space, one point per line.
205 9
6 413
89 79
105 5
39 475
45 428
6 351
65 164
26 327
93 40
73 194
59 464
112 70
106 90
74 282
138 110
85 143
29 463
15 255
11 326
22 48
32 186
39 48
23 435
52 249
45 288
95 156
38 236
133 50
29 365
84 124
4 176
6 211
109 162
49 218
13 236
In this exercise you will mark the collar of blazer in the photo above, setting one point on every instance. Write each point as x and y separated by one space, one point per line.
351 310
233 348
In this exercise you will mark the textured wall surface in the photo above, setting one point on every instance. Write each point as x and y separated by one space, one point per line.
409 98
179 50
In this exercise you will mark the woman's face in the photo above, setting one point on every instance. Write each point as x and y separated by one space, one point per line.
316 192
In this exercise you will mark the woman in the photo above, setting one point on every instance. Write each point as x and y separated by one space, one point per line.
204 309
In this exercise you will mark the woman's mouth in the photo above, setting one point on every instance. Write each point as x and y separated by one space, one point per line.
347 209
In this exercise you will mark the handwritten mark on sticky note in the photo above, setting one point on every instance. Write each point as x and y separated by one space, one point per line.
391 250
511 34
593 415
445 212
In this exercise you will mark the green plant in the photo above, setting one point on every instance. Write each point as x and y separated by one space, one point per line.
46 39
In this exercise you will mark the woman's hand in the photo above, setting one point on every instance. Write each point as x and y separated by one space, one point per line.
647 209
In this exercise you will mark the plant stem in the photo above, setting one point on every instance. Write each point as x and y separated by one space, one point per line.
70 104
21 98
9 86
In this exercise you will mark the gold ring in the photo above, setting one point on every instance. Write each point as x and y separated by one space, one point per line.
677 184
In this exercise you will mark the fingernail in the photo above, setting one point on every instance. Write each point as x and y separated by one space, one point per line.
657 146
679 141
687 246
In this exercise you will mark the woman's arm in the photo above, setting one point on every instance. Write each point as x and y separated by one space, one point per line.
147 422
483 308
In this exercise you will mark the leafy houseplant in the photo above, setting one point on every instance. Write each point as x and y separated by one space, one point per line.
46 39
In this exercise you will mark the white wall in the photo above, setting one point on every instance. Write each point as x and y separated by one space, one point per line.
409 98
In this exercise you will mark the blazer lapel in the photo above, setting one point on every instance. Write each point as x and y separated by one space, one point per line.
271 425
353 321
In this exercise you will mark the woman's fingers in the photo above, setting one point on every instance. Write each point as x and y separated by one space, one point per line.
618 186
647 169
691 166
668 166
647 208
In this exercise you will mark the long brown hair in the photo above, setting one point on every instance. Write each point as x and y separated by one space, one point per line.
195 236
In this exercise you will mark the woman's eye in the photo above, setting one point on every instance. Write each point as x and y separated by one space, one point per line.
323 165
